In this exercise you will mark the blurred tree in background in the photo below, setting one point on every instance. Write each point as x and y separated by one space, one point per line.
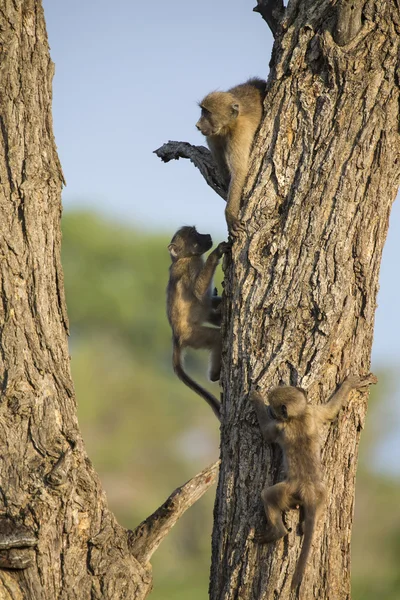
136 417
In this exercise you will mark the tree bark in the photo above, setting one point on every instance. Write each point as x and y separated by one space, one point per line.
57 537
81 551
301 287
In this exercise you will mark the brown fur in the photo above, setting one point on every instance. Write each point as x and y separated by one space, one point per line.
229 120
296 425
191 304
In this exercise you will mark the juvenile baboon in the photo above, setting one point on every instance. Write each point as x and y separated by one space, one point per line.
191 302
229 121
296 425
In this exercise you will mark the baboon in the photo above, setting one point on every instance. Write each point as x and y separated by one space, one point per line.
296 425
191 302
229 121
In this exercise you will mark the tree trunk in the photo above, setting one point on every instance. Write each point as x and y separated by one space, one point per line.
54 518
301 287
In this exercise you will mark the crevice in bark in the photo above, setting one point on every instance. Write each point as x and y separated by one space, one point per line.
6 149
348 21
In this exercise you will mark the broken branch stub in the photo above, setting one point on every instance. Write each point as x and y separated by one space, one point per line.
200 156
146 538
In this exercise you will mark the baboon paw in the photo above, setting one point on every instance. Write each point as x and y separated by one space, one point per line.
236 228
267 537
224 247
357 382
369 379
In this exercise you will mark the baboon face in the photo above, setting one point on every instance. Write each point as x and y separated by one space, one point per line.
287 402
218 111
188 242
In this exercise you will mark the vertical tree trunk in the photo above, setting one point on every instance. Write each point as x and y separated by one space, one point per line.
303 282
56 532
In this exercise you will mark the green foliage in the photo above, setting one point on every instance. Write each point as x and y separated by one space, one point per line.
147 433
115 281
376 540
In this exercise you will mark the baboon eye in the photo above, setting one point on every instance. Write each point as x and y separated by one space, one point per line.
284 411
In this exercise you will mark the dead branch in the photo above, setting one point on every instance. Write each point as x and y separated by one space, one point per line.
200 156
146 538
272 11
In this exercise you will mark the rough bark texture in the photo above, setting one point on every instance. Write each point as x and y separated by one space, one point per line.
301 287
57 536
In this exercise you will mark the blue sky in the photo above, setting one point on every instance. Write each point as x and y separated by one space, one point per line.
128 78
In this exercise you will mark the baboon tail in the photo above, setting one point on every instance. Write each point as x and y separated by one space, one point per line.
178 369
309 526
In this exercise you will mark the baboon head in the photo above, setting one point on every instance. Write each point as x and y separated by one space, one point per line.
219 111
287 402
188 242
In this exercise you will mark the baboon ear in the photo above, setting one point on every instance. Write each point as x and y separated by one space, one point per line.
235 109
173 250
284 411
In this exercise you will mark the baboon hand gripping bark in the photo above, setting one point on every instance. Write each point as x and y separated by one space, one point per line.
229 120
295 425
191 303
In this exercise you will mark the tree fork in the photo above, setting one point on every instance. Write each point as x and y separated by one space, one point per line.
302 283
